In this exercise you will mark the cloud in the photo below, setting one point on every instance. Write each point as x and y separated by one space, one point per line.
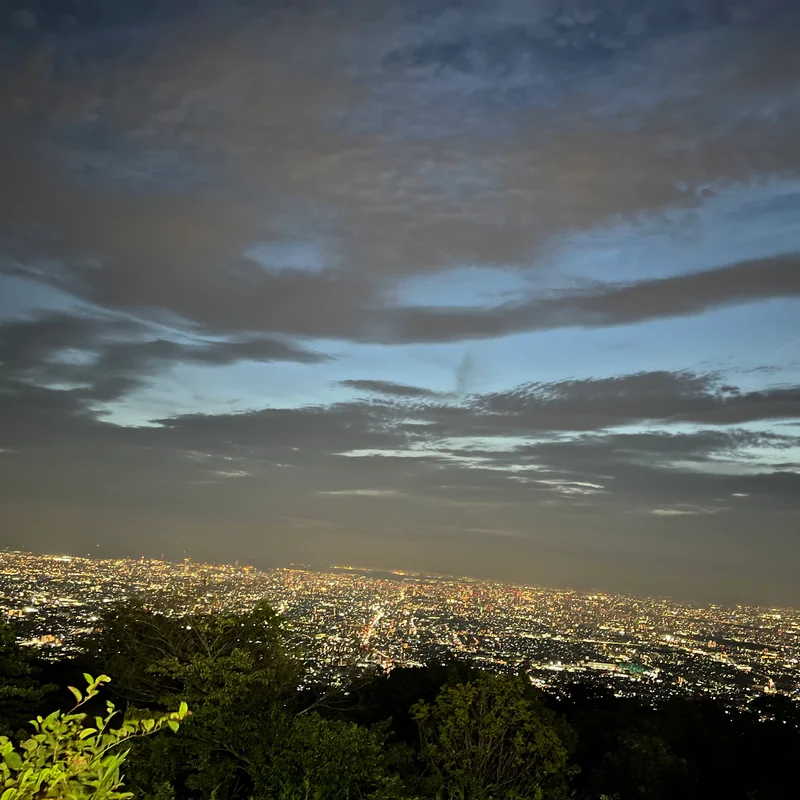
362 493
582 449
465 374
606 403
105 357
486 531
574 148
682 512
602 305
388 388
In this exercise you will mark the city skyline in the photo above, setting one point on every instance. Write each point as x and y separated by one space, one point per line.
509 289
391 572
338 620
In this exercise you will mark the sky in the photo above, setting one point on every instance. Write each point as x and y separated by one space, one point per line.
500 288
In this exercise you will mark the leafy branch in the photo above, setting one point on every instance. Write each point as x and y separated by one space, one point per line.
69 760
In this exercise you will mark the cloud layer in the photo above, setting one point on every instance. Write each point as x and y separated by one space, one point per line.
496 288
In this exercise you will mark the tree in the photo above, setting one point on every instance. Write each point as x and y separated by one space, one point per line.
21 693
251 733
67 760
154 655
320 759
643 765
234 672
490 738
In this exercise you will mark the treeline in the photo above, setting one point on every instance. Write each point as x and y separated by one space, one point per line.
445 731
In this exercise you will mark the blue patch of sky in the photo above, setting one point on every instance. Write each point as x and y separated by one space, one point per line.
234 388
736 223
468 287
741 464
737 338
22 298
74 356
163 398
249 385
312 256
737 341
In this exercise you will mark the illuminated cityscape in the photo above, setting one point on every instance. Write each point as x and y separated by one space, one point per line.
346 617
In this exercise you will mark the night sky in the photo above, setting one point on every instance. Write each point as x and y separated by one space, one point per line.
504 288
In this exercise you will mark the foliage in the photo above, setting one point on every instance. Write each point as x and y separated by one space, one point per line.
20 691
692 748
489 739
234 672
392 694
250 734
441 732
66 759
155 656
644 765
320 758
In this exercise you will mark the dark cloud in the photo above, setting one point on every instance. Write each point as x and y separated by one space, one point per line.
324 430
107 357
602 404
646 396
388 388
601 305
465 196
307 305
372 442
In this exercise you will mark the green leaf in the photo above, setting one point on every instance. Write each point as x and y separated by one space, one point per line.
77 695
13 760
173 725
183 709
